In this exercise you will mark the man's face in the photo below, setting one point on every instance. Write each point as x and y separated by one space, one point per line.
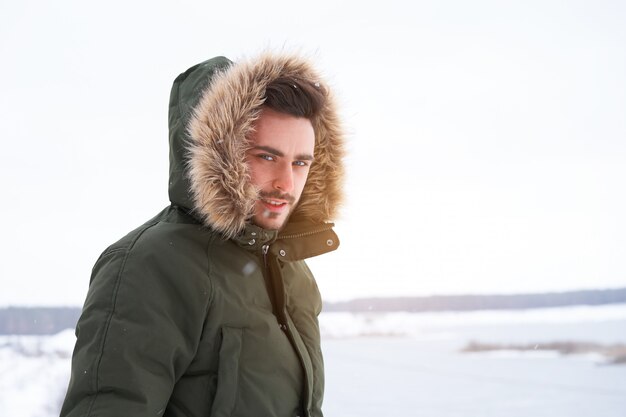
279 160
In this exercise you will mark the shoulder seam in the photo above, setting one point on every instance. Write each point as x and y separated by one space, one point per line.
209 272
113 305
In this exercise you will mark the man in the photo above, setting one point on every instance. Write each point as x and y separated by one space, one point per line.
208 309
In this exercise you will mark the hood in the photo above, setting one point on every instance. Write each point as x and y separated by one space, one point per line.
213 107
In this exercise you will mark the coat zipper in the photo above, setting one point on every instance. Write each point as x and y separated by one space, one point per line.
272 288
281 317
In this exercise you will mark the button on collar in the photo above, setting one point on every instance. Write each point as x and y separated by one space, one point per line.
254 237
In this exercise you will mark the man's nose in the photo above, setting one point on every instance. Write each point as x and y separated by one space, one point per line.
283 180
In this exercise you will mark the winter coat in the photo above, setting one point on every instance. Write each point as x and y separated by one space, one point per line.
198 312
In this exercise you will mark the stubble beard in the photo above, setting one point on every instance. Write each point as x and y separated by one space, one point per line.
271 215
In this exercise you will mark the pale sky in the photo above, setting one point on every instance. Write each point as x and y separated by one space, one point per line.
487 139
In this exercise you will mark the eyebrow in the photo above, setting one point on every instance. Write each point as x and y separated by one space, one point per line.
274 151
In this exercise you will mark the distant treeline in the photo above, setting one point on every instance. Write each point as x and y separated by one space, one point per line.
37 320
51 320
480 302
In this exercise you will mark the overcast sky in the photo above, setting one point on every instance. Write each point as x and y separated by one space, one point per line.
487 139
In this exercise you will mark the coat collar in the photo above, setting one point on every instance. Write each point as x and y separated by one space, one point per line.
297 241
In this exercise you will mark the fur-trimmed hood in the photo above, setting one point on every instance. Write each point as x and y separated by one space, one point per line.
213 107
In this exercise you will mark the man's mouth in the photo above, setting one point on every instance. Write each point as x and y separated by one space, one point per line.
275 202
274 205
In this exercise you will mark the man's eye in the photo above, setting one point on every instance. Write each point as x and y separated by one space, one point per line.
300 163
266 157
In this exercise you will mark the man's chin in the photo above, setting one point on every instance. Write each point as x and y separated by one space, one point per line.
268 223
270 220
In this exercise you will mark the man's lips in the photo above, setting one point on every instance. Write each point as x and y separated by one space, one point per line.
274 205
275 201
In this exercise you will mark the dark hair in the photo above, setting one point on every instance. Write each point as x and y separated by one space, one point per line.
296 97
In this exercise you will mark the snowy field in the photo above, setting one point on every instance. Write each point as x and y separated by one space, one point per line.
404 364
410 364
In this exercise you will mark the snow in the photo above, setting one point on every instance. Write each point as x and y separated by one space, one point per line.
400 364
442 325
34 373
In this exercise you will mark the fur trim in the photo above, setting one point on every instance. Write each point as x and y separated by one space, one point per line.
222 120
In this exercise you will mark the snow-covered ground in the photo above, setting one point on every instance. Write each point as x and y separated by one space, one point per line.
402 364
34 372
444 324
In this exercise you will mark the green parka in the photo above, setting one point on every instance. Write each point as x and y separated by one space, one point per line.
199 313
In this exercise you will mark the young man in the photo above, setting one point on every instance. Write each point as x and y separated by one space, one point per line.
208 309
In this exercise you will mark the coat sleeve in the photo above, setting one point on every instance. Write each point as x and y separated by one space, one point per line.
138 331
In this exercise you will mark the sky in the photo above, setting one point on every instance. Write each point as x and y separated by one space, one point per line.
487 139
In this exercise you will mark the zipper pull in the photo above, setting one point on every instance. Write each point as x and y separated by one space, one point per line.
264 250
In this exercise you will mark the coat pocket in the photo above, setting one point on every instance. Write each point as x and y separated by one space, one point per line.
227 372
